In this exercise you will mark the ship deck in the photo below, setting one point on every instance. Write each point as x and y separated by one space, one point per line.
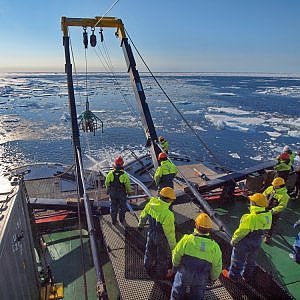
273 257
123 264
126 251
64 256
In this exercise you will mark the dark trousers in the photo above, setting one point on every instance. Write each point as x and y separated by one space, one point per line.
191 279
283 174
118 205
243 257
157 259
179 290
275 219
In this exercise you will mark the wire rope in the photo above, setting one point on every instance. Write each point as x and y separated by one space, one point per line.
75 70
86 74
108 66
216 160
116 82
111 7
77 84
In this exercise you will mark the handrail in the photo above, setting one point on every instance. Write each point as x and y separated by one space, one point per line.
91 229
140 184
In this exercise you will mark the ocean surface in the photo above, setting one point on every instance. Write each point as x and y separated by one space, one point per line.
243 119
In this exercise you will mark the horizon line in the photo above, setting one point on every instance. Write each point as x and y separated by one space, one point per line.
174 72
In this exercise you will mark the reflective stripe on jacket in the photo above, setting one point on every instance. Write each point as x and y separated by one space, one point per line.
201 247
258 219
160 211
280 195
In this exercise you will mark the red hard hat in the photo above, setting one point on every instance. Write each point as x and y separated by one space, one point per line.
162 155
119 161
284 156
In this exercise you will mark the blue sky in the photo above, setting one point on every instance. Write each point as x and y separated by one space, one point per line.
172 35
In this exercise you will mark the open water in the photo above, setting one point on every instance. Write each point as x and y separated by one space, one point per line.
242 118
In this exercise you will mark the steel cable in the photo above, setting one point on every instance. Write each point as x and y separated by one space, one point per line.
216 160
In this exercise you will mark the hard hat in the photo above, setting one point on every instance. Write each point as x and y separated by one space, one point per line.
168 192
119 162
204 221
162 155
286 148
284 156
278 181
259 199
161 138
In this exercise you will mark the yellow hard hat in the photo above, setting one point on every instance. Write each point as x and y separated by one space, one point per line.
161 138
278 181
259 199
168 193
204 221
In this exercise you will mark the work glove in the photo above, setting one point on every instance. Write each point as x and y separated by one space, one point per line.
297 224
140 228
233 243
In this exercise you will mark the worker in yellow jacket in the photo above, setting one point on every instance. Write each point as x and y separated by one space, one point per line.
197 260
165 173
161 234
117 185
278 199
164 144
247 239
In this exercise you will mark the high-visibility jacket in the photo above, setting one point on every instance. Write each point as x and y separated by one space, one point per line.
117 181
259 219
280 195
161 219
165 174
201 248
165 146
292 158
283 165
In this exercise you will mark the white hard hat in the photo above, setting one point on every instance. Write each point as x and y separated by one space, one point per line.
286 148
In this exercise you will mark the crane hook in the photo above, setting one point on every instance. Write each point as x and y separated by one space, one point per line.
101 35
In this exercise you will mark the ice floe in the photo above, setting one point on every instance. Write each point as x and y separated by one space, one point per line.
292 91
224 94
245 124
208 101
248 121
234 155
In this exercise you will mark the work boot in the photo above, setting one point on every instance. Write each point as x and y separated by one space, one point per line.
292 256
267 239
225 273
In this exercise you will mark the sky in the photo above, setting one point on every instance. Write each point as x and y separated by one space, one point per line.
171 35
